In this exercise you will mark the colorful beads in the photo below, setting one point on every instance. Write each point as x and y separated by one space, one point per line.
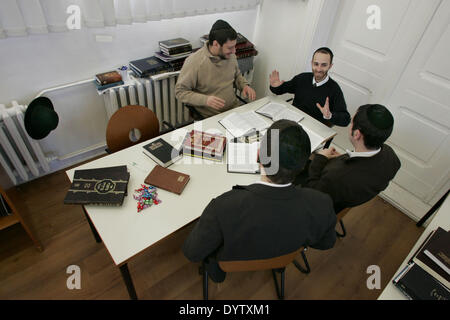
146 197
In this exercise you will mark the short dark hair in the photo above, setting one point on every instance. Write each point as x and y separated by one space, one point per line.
326 51
221 31
375 122
294 149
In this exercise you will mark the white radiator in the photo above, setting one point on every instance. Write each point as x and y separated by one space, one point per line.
21 156
156 93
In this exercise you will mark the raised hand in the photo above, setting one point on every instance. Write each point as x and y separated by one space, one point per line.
215 102
274 78
248 92
325 109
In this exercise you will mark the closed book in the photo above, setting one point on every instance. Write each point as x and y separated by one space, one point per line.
204 145
162 152
108 77
438 250
101 186
437 242
149 66
106 86
417 284
167 179
177 51
177 42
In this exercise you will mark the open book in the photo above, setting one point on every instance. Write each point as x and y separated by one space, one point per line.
242 157
316 140
277 111
239 124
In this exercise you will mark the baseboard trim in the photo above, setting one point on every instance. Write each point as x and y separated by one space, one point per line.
406 202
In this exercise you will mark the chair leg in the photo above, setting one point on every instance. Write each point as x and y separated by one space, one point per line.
299 267
205 281
344 232
280 291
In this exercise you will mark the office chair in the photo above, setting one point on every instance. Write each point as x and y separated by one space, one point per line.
194 114
276 264
130 125
339 217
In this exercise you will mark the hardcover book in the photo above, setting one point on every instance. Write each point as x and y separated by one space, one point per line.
167 179
417 284
239 124
178 51
102 186
149 66
171 43
204 145
438 243
106 86
162 152
277 111
108 77
242 157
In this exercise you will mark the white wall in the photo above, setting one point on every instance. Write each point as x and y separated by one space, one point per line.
31 64
279 31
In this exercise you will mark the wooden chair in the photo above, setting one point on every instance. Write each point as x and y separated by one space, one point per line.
339 217
130 125
276 264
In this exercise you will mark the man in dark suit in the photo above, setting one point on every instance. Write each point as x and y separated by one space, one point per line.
268 218
315 92
356 176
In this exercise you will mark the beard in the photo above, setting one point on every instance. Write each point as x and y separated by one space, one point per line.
320 75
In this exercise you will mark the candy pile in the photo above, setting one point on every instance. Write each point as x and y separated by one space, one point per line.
146 197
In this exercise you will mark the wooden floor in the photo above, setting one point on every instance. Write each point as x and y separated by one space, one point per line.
377 234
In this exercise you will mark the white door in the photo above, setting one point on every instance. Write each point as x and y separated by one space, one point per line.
404 65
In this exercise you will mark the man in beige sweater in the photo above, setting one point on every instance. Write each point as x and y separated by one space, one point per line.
209 76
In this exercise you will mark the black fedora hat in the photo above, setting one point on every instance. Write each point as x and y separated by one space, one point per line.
40 118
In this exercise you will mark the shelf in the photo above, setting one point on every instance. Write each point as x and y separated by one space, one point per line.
5 222
12 197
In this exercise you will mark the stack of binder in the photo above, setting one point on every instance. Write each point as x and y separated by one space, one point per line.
149 66
427 275
174 52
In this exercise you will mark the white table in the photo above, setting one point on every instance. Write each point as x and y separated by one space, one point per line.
441 219
125 232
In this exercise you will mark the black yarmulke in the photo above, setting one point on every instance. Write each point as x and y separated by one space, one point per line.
220 25
380 117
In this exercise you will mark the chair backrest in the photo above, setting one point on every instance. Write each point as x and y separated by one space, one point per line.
121 133
261 264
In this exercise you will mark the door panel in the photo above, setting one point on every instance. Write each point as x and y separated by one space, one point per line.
420 103
404 66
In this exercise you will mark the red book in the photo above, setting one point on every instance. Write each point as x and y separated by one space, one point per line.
204 145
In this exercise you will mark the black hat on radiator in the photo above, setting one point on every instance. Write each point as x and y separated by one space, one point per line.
40 118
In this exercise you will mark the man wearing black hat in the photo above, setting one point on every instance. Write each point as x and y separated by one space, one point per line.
208 77
268 218
357 176
315 92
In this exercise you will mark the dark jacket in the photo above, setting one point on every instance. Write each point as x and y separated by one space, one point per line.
353 181
260 221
